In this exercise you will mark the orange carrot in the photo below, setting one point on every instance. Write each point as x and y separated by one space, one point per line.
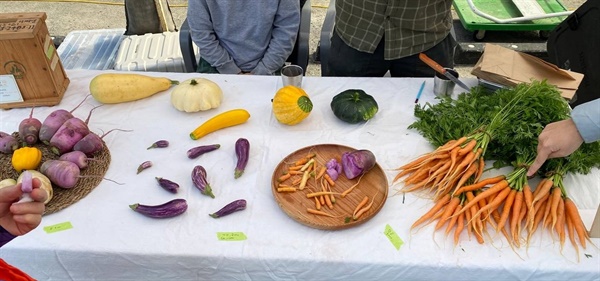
321 172
506 209
459 227
284 177
468 173
495 203
320 213
352 187
498 187
543 190
286 189
448 146
436 207
528 198
453 218
517 210
573 213
555 198
362 203
317 203
448 211
480 184
571 232
481 169
467 148
560 223
329 179
363 210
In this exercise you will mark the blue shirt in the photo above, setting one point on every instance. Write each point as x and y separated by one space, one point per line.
586 117
244 35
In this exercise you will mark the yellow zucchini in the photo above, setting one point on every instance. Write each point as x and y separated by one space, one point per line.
220 121
123 87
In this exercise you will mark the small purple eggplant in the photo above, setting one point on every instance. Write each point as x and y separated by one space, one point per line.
145 165
242 151
199 150
167 185
232 207
170 209
159 144
8 143
199 180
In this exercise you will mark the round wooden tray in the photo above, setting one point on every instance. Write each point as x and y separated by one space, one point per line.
373 184
62 197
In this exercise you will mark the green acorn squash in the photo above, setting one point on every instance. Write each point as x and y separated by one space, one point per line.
354 106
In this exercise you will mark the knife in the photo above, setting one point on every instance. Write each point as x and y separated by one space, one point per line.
442 70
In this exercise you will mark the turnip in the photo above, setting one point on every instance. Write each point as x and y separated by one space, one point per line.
69 133
29 129
77 157
61 173
8 143
53 122
72 131
92 143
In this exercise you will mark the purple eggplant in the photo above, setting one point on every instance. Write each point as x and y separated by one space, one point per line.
199 180
199 150
8 143
232 207
242 151
170 209
168 185
145 165
159 144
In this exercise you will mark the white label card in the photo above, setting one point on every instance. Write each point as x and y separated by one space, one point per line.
9 90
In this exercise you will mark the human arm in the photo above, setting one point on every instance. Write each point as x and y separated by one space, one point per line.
204 36
283 37
560 139
20 218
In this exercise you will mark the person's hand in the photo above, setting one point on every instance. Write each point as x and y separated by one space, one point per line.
21 218
558 139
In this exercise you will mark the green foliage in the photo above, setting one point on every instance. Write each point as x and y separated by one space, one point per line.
513 118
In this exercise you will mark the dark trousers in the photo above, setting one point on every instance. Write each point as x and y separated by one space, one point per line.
347 61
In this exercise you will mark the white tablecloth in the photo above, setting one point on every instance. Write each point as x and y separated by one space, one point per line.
109 241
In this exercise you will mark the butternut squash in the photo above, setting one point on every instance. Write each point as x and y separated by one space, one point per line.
122 87
220 121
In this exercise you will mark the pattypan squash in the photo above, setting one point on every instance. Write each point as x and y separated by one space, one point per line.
26 158
196 94
291 105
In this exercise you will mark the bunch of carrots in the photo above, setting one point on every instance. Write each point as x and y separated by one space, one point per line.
464 202
297 175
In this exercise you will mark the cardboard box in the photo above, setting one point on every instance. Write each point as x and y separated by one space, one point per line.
28 54
508 67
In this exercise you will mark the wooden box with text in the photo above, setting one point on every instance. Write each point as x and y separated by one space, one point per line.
27 52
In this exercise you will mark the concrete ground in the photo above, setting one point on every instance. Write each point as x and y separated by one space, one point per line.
65 16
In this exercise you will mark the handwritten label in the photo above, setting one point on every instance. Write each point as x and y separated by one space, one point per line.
58 227
231 236
9 90
393 237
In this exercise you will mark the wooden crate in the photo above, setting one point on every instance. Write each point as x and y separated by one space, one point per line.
29 54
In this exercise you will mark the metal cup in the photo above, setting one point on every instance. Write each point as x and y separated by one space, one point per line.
442 86
292 75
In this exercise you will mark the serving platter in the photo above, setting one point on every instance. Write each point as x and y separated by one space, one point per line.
62 197
373 185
